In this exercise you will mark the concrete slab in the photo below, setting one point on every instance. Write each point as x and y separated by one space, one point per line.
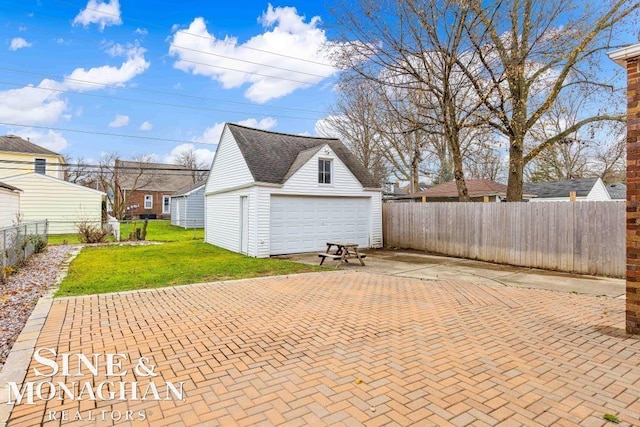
415 264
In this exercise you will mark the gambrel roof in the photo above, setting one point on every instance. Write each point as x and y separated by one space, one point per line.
273 157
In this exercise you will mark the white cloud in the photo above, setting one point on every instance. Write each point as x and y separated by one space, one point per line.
286 33
31 105
51 140
146 126
211 135
107 74
22 28
100 13
44 103
141 31
203 155
18 43
119 121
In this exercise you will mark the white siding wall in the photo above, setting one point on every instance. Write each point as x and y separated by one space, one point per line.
194 209
178 210
9 207
222 222
229 168
305 180
598 192
65 205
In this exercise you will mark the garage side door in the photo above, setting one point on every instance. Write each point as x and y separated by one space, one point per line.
305 224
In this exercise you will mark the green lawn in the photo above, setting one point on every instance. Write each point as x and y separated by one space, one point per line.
178 261
160 231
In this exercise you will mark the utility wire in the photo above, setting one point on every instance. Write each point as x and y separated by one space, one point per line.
155 92
155 102
149 24
149 138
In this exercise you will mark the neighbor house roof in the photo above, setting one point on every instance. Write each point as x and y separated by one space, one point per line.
475 187
273 157
15 144
542 190
8 187
153 176
185 191
617 191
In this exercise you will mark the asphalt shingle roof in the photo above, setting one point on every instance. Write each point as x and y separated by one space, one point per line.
154 177
617 191
8 187
273 157
15 144
582 187
475 187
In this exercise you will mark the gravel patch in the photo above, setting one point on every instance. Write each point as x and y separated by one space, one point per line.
20 294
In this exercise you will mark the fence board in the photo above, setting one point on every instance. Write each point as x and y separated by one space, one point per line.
579 237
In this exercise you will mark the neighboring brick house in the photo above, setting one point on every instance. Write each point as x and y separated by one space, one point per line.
147 187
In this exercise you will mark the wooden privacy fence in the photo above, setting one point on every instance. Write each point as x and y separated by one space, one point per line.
579 237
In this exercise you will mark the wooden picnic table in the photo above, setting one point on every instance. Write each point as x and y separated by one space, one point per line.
343 251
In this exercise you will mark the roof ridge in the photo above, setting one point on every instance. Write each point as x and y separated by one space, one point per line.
282 133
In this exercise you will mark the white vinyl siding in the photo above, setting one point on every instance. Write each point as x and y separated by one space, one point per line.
229 169
598 192
64 204
187 211
9 207
222 223
305 179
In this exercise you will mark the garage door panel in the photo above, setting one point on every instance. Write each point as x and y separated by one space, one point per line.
305 224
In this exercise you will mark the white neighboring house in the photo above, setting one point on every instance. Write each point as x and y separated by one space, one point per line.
586 189
62 203
9 205
187 206
270 193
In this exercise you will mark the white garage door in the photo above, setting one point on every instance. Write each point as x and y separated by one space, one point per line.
306 224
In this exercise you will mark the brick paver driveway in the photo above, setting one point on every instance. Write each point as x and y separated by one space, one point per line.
346 348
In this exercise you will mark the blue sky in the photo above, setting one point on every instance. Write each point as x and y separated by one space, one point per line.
168 73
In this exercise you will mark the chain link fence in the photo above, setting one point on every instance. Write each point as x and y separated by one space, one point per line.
19 242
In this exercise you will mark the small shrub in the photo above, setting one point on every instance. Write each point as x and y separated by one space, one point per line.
88 233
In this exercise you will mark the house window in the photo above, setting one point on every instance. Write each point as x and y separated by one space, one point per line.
166 204
41 166
324 171
148 201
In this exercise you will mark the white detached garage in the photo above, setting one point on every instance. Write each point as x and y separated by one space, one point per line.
270 193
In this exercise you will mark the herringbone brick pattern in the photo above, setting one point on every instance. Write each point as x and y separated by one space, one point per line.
351 348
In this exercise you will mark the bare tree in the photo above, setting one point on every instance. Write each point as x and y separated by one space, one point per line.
532 52
189 159
353 119
78 171
414 49
119 181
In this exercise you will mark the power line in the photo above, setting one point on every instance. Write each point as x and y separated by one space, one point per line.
249 62
155 102
142 165
228 57
202 36
156 92
181 141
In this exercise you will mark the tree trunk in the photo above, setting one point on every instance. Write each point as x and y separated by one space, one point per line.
516 171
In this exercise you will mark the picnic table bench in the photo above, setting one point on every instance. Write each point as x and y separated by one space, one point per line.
342 253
